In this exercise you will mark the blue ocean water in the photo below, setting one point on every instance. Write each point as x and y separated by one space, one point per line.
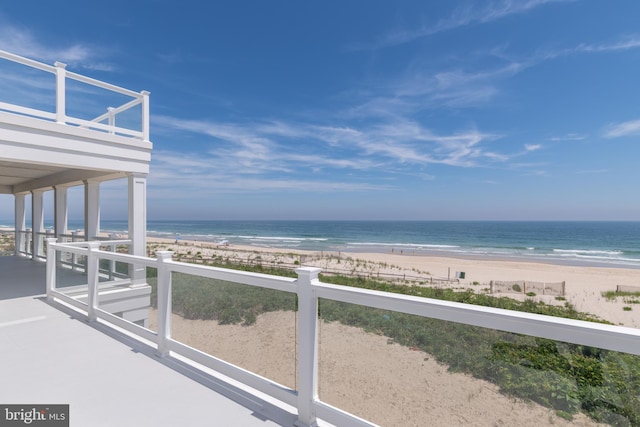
615 244
593 243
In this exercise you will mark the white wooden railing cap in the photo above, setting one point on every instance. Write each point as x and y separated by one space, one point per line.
308 272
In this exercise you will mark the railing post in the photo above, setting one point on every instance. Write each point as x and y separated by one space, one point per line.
50 280
111 120
20 222
307 346
112 264
28 243
74 257
145 115
92 280
61 109
164 302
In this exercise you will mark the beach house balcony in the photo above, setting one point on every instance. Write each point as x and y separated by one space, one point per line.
129 339
59 130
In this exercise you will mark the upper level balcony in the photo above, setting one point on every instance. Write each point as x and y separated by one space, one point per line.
48 136
58 130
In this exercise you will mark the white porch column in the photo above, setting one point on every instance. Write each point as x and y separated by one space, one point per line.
37 222
20 214
91 209
61 210
138 224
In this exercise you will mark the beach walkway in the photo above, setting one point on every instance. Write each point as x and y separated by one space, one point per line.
51 355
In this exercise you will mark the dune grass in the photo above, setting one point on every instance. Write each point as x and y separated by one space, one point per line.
565 377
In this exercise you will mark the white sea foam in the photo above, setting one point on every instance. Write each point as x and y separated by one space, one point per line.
586 252
278 238
405 245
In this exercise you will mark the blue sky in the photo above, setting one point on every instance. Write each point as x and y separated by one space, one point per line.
365 109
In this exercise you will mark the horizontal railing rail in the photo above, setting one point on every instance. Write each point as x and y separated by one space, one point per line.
26 111
60 115
26 61
309 289
80 247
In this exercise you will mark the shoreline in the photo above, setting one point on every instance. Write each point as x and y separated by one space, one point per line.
409 250
401 252
584 285
513 258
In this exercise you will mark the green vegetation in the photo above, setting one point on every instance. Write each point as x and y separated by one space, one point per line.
566 377
613 295
6 243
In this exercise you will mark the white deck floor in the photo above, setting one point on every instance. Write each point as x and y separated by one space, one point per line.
51 355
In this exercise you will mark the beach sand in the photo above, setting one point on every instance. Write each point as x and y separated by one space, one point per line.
583 285
366 375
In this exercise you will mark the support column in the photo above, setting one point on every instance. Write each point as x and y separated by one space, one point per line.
61 211
37 222
20 214
91 210
138 225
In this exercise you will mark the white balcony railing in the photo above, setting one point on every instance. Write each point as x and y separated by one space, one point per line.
309 289
60 112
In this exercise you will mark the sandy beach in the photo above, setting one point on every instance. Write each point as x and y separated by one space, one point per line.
365 374
583 285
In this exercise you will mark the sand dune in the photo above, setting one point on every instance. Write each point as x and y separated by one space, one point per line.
366 375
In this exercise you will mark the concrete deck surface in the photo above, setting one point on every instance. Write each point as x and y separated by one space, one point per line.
49 354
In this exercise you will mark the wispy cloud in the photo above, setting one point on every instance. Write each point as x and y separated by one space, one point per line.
461 17
23 42
267 154
630 128
209 174
568 137
468 85
624 43
532 147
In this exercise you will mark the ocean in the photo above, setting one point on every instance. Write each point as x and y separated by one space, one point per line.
597 243
615 244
